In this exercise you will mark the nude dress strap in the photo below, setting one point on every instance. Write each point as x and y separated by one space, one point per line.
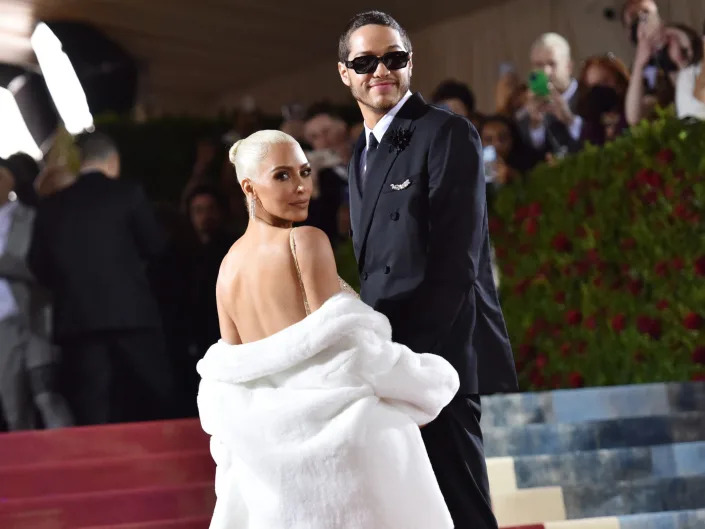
292 245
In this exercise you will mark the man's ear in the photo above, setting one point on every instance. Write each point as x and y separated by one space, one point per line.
344 74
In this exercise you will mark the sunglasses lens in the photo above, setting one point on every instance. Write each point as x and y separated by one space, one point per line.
395 60
365 64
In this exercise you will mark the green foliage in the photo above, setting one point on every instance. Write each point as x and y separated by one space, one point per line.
602 261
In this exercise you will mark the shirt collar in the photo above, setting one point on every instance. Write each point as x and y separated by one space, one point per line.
570 92
384 123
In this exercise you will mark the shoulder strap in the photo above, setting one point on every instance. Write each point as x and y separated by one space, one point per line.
292 245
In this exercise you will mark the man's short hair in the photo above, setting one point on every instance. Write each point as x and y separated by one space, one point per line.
210 190
552 40
323 107
451 89
369 18
96 147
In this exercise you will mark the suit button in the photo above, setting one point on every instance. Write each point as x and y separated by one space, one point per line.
364 276
394 216
387 269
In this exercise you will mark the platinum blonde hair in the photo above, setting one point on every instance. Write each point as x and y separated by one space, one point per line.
553 41
247 153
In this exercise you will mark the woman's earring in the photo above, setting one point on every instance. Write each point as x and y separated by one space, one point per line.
252 207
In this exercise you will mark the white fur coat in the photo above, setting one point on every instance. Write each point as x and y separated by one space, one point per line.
317 426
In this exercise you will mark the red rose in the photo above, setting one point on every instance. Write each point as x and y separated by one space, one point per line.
500 252
619 322
681 211
573 317
572 197
524 248
699 355
565 349
508 270
661 268
541 361
593 256
568 270
649 326
582 267
662 304
495 225
576 380
534 209
699 266
597 282
521 213
581 347
580 232
665 156
650 197
559 297
526 350
692 321
634 286
679 174
521 287
561 243
591 322
531 226
677 263
698 377
628 243
556 381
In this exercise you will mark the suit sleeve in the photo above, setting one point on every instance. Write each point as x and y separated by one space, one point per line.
457 232
147 232
37 256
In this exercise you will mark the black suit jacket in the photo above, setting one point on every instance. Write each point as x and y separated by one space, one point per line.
423 249
89 247
557 134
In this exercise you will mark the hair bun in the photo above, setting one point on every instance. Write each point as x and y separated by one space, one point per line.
233 151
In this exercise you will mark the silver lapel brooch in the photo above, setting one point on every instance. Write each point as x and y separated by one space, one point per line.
398 187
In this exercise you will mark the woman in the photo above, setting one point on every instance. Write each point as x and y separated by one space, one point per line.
513 157
314 412
690 86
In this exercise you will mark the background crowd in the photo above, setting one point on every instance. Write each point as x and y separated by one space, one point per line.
107 302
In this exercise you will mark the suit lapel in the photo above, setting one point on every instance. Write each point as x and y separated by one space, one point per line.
378 173
20 231
354 193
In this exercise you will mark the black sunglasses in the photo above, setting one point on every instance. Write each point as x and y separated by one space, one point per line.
393 60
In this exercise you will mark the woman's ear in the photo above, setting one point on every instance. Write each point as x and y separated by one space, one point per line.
247 187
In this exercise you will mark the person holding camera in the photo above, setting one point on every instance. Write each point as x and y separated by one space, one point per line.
549 122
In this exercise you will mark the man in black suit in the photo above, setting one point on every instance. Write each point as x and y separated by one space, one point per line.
89 247
419 223
551 124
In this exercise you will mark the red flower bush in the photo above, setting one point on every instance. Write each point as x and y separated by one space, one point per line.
619 226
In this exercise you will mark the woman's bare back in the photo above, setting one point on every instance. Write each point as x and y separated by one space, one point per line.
258 290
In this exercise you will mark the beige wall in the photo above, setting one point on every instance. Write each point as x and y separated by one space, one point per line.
470 48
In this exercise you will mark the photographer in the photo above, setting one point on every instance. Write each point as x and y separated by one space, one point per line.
661 52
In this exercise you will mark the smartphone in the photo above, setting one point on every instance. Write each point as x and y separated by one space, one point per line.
538 83
489 157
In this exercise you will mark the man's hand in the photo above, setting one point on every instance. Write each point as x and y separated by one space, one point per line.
559 107
536 109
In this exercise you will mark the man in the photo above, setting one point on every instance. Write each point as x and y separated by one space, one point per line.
419 222
327 133
457 97
550 124
90 244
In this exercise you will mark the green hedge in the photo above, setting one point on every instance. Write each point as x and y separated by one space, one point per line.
602 261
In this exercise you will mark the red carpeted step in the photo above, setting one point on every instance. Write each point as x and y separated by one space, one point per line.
95 475
109 508
187 523
90 442
533 526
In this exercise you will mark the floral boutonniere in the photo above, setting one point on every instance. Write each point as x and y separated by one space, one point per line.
399 139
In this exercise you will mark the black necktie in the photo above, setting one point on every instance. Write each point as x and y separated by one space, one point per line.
369 159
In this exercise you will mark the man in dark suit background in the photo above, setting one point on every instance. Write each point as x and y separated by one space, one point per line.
90 245
419 223
550 124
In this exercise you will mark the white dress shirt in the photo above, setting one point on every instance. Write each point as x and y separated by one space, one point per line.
8 306
380 129
686 102
538 135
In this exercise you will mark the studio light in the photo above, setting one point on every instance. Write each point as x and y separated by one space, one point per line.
87 74
28 117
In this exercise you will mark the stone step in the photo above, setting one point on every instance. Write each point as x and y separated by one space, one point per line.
591 404
538 439
692 519
620 464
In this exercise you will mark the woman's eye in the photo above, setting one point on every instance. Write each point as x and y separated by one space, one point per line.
282 175
306 172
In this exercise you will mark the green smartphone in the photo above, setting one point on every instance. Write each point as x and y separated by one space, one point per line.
538 83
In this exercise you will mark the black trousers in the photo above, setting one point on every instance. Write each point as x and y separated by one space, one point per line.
117 376
454 445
